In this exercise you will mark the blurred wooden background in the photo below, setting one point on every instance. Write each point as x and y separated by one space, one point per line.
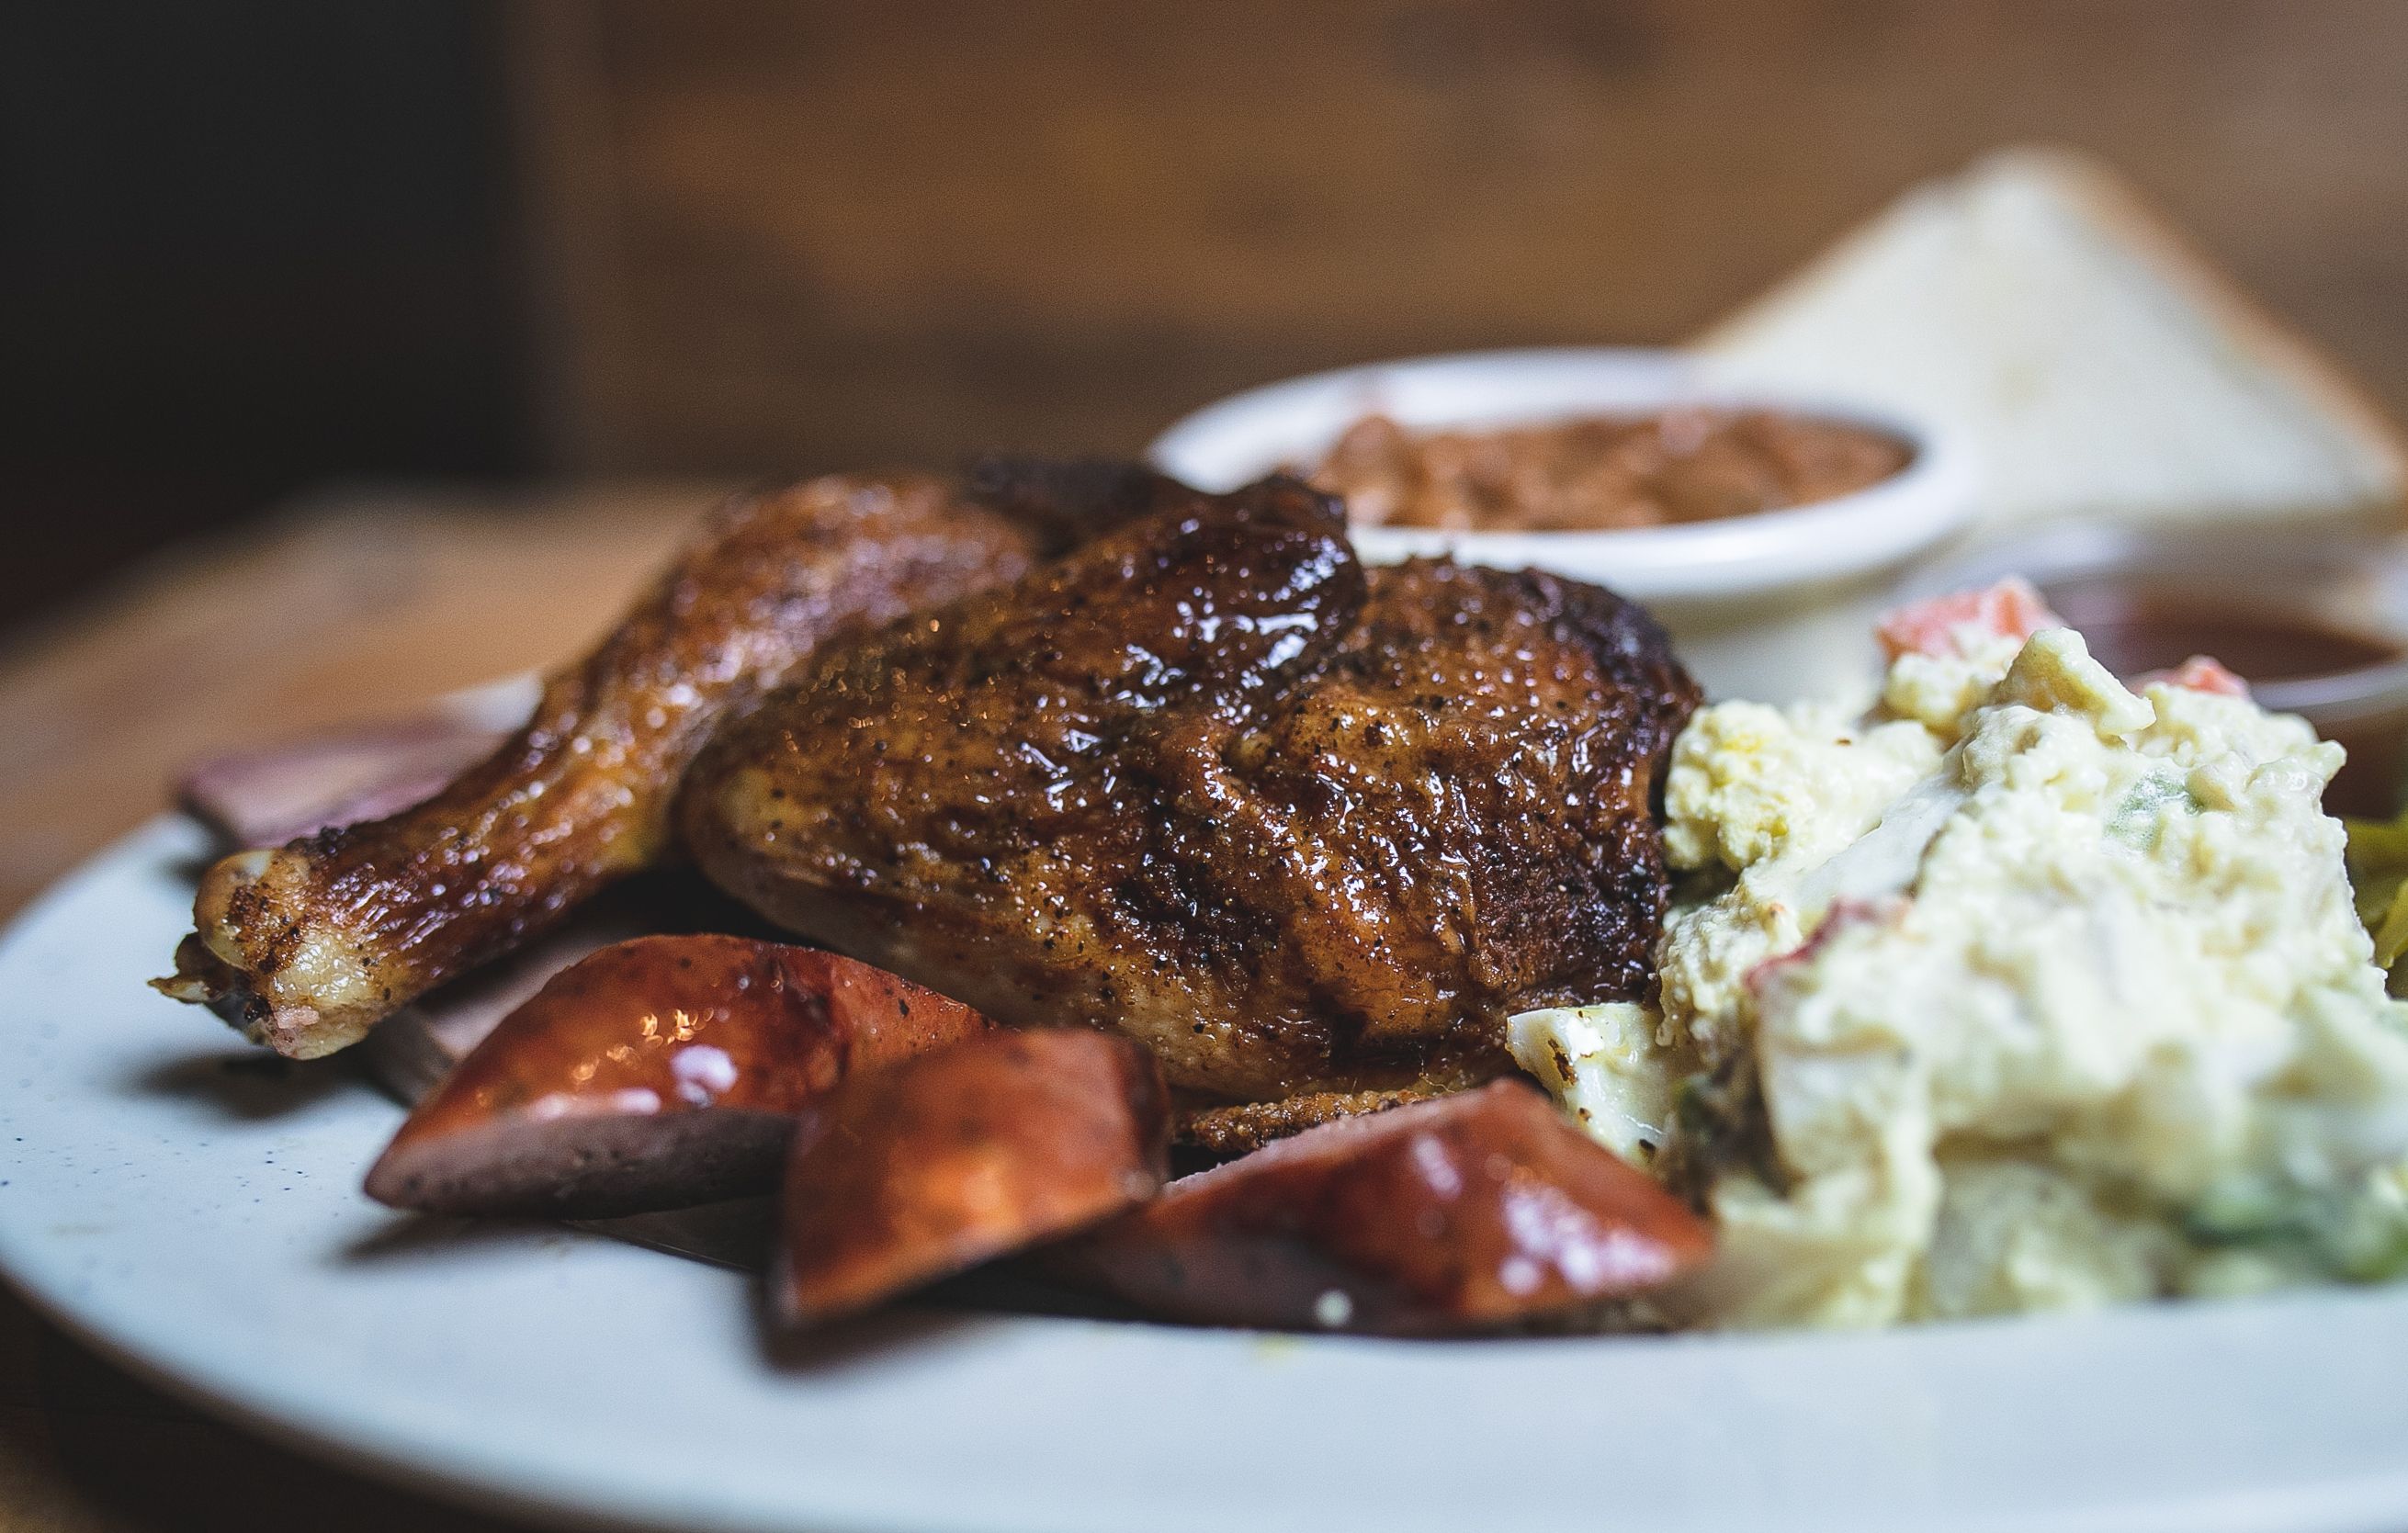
817 235
251 246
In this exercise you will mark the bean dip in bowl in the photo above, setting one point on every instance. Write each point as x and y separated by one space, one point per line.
1755 522
1604 473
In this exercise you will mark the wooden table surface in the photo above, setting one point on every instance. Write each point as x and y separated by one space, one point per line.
352 603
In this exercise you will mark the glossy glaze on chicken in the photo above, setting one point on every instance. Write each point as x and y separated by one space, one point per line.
1308 830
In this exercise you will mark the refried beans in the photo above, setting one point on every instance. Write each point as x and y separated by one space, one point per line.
1691 464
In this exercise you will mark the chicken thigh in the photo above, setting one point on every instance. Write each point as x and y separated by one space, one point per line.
1306 830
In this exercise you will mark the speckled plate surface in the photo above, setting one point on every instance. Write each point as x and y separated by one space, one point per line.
191 1208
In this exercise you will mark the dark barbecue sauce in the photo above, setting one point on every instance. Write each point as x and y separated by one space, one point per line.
2134 628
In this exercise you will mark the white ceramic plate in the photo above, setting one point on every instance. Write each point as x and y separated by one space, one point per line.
191 1207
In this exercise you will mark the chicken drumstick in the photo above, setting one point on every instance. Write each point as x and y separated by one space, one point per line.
311 944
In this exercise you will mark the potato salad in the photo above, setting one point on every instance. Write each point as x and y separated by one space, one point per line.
2027 990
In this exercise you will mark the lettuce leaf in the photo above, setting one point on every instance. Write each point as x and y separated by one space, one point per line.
2378 874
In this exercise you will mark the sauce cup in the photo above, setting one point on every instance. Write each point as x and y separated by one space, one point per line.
2316 624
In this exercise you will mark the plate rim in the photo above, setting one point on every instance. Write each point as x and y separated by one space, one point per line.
2374 1499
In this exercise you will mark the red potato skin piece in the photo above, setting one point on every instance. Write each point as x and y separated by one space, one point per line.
1462 1214
658 1072
962 1155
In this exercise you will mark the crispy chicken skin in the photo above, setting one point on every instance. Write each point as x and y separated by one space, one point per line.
1301 827
312 943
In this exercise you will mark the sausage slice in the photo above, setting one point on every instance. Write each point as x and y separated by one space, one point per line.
956 1158
656 1073
1464 1213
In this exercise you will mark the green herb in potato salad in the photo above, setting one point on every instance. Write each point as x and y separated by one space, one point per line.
2027 990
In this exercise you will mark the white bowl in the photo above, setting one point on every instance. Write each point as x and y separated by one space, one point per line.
1770 606
1248 435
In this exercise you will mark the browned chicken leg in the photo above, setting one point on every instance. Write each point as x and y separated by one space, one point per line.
1301 827
315 941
